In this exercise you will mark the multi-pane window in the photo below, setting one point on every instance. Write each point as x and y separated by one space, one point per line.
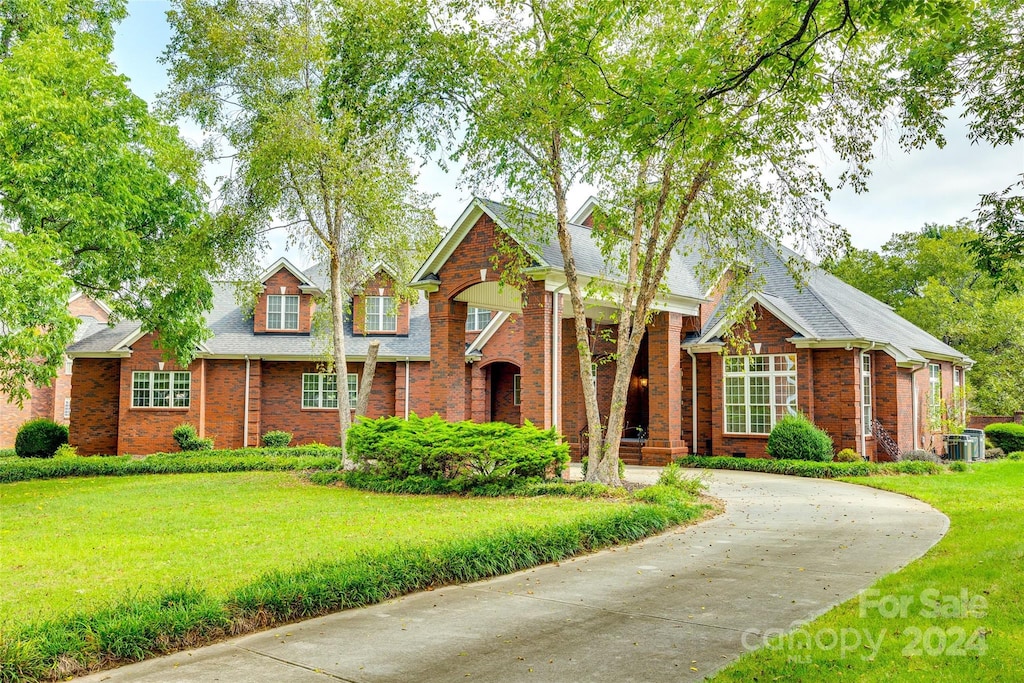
68 365
935 391
477 318
283 312
380 314
161 389
320 390
67 408
517 390
759 391
865 392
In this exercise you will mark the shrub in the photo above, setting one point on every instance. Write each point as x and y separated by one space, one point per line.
40 438
277 439
994 453
804 468
585 462
1006 435
187 438
672 477
796 438
921 456
958 466
848 455
1016 455
8 453
66 451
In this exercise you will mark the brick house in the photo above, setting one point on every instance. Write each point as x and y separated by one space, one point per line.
482 348
53 401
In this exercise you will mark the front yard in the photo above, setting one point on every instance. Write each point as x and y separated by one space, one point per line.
957 614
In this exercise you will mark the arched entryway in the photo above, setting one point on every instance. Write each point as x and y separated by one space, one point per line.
504 392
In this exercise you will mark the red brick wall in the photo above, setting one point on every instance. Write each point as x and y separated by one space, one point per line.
982 421
273 285
95 406
837 395
225 402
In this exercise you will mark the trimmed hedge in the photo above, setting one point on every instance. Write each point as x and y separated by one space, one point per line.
431 447
419 485
806 468
1006 435
241 460
188 617
40 438
795 437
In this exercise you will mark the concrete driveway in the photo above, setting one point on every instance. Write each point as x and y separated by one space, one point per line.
678 606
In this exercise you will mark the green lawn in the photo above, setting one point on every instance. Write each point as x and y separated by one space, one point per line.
72 545
957 614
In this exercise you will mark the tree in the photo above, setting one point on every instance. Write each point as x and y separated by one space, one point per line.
335 175
96 195
930 279
692 119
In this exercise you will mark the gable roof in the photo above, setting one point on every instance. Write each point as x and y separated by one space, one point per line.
827 310
306 283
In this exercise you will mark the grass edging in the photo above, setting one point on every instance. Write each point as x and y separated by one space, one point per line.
242 460
808 468
188 617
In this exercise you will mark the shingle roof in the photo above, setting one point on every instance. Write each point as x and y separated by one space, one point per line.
831 310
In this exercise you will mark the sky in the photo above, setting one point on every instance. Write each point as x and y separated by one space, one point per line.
906 189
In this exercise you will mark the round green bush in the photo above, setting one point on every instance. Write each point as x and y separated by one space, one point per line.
1006 435
40 438
796 438
277 439
848 455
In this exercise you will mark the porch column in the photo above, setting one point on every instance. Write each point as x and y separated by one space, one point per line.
535 382
665 390
447 357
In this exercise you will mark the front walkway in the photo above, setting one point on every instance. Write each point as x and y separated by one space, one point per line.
678 606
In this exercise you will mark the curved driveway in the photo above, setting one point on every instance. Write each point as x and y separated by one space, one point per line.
675 607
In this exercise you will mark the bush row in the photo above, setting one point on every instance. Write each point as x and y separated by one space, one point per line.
431 447
1008 436
188 617
526 487
241 460
805 468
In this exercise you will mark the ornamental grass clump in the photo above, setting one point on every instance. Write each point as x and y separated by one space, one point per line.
796 438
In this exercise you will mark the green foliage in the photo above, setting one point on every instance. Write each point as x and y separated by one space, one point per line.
807 468
277 439
1016 455
66 451
187 438
368 481
40 438
7 453
585 465
848 455
1008 436
672 476
994 453
920 456
241 460
431 447
958 466
185 617
795 437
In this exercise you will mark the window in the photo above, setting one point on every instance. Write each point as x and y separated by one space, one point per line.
935 392
380 314
68 364
283 312
67 408
320 390
161 389
865 392
517 390
477 319
759 391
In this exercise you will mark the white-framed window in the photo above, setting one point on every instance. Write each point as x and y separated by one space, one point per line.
283 312
380 314
935 391
759 391
67 408
320 389
68 365
161 389
477 318
517 390
865 392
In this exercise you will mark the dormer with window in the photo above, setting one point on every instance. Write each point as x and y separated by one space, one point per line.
285 306
376 310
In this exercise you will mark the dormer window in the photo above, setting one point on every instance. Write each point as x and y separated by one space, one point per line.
283 312
380 314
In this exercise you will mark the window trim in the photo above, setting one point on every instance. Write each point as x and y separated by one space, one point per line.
352 385
282 311
935 391
771 374
376 323
473 315
175 402
866 389
67 407
517 389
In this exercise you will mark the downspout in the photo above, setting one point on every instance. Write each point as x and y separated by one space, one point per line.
693 395
245 414
407 387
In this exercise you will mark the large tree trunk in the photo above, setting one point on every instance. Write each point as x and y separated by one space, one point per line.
340 361
366 382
